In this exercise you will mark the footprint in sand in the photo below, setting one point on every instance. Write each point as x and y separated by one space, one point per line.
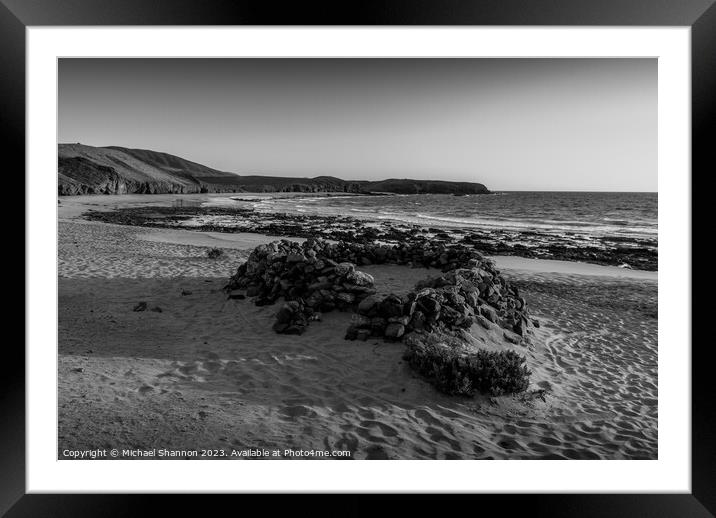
386 430
348 442
212 366
426 417
297 411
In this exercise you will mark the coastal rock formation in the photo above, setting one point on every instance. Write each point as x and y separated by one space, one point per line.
310 281
317 276
639 253
115 170
407 186
449 303
110 170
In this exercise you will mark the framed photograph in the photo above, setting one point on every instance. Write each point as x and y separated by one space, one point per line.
397 237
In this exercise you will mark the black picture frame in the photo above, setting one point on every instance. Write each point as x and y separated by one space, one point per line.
699 15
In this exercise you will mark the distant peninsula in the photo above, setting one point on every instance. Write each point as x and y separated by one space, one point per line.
116 170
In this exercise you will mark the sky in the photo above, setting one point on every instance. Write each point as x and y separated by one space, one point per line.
511 124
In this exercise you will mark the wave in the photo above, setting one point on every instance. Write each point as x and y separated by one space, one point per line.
596 215
553 225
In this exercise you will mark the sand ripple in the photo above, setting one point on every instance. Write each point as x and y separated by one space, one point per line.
207 372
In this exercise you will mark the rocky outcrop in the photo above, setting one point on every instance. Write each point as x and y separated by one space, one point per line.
317 276
304 276
639 253
476 294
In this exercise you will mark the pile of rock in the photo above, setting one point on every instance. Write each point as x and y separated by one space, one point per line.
291 319
447 303
380 317
418 252
303 275
475 294
321 276
317 276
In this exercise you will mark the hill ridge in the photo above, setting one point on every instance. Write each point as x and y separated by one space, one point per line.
84 169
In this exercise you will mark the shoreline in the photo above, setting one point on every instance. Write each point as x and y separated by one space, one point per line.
245 240
155 213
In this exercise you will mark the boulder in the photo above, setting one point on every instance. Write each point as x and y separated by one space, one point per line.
417 321
369 305
391 306
360 321
428 303
233 294
483 321
489 313
351 333
347 298
343 269
362 334
360 278
294 330
280 327
284 315
377 325
511 337
394 331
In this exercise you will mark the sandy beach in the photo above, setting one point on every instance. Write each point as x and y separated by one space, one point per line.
198 371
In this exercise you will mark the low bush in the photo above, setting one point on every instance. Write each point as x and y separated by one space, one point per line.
455 371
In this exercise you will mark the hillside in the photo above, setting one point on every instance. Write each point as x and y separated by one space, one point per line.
116 170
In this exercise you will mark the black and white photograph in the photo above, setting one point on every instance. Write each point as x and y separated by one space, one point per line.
357 258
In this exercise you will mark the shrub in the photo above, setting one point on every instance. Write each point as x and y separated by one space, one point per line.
453 370
214 253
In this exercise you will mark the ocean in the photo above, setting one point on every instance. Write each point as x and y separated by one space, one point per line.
602 214
617 228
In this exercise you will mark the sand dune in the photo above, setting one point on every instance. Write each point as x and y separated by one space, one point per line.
207 372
